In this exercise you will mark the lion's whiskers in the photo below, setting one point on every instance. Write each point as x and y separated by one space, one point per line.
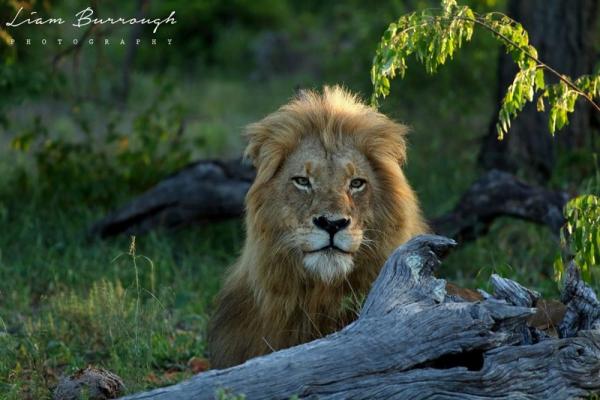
268 344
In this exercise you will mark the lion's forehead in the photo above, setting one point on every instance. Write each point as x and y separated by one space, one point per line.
311 159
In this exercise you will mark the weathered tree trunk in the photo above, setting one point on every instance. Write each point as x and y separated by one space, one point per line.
566 36
413 341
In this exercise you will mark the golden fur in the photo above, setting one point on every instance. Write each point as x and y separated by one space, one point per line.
284 290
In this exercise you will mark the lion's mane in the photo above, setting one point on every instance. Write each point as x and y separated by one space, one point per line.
268 301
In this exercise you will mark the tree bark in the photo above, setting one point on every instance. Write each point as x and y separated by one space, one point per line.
414 341
565 34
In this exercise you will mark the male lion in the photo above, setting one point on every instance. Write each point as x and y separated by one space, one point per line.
328 206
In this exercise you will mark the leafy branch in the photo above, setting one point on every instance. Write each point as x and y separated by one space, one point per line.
581 236
433 36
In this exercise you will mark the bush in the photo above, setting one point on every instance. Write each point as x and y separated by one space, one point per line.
96 167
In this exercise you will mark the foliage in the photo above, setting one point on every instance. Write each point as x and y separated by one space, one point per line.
64 304
581 235
93 165
435 37
103 327
214 32
8 8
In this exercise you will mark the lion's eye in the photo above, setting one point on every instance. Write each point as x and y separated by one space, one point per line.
357 184
301 181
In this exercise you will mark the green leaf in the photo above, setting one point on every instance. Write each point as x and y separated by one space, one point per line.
540 104
552 120
581 233
434 37
539 79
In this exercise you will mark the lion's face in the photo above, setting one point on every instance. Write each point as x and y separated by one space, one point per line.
329 197
325 202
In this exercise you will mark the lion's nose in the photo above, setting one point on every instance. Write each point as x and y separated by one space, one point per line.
331 226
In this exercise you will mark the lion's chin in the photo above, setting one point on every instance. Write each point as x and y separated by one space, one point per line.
329 265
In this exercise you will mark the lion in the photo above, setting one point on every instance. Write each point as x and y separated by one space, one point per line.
329 204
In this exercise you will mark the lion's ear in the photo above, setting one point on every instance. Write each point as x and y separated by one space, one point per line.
396 143
399 133
402 153
255 140
386 140
262 151
398 146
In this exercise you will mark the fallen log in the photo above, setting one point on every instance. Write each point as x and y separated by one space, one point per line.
498 194
413 341
204 191
214 190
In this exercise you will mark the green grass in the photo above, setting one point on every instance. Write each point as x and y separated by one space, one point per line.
67 301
